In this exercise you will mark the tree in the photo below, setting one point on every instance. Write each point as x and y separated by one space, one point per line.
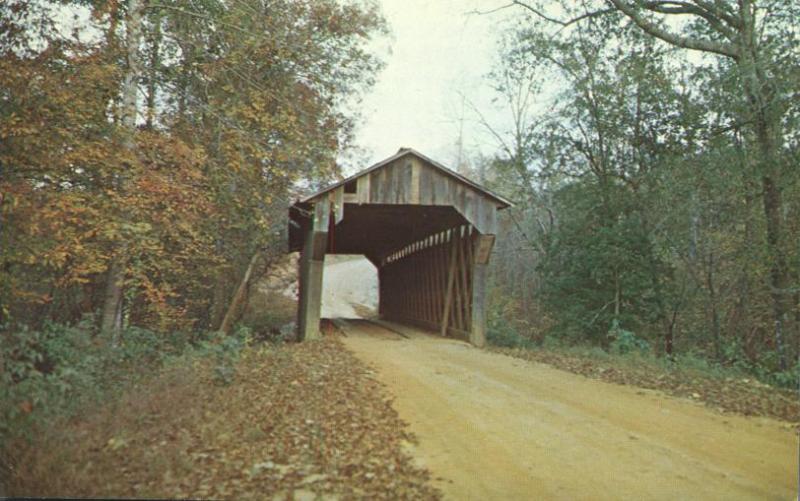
137 214
595 155
759 41
111 320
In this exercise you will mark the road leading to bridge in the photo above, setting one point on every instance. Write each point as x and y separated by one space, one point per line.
494 427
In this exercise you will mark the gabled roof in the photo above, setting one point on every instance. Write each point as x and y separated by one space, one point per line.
502 202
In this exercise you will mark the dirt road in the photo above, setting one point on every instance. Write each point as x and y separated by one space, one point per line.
494 427
349 287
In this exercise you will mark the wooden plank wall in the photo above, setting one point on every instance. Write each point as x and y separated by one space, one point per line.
410 181
429 283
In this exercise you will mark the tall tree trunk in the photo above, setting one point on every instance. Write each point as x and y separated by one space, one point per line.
797 321
155 62
714 311
779 273
767 134
742 324
219 303
780 278
111 319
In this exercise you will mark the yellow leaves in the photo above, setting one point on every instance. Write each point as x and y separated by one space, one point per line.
55 258
134 230
15 126
31 296
116 443
234 165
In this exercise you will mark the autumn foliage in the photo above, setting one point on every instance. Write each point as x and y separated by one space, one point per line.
237 106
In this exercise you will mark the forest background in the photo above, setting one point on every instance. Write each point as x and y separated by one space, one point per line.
149 154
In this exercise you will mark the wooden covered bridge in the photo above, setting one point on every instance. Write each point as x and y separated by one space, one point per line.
428 230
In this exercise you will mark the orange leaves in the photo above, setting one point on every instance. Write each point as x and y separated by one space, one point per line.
232 130
301 421
56 232
62 217
26 407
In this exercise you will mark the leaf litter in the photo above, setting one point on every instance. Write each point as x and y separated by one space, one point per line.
299 421
742 396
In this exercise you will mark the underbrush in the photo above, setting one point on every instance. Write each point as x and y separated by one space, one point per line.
500 332
736 386
270 317
61 372
626 348
298 421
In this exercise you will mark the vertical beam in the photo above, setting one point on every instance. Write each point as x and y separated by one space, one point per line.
381 291
310 297
465 268
451 275
312 263
481 251
362 189
477 335
337 198
302 304
416 168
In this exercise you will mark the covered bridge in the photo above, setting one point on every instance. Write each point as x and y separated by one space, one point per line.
428 230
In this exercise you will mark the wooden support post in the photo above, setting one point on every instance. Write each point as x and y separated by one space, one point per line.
382 291
481 251
451 275
477 335
312 263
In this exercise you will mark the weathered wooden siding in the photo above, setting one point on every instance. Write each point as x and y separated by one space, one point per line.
430 283
411 181
427 229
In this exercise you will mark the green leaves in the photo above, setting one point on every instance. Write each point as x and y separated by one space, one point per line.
624 341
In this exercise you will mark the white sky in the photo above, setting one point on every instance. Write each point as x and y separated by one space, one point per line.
437 52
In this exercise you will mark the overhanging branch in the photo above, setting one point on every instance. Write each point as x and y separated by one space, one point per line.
633 12
561 22
695 9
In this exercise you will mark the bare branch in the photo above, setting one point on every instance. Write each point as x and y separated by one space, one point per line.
633 13
199 15
490 11
485 123
679 7
722 11
561 22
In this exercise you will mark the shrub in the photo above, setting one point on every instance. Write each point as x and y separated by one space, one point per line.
42 373
503 334
504 326
790 378
624 341
225 350
58 370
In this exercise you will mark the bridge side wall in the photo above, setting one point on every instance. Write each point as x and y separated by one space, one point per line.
439 283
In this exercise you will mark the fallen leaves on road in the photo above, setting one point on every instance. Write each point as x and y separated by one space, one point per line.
301 421
743 396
